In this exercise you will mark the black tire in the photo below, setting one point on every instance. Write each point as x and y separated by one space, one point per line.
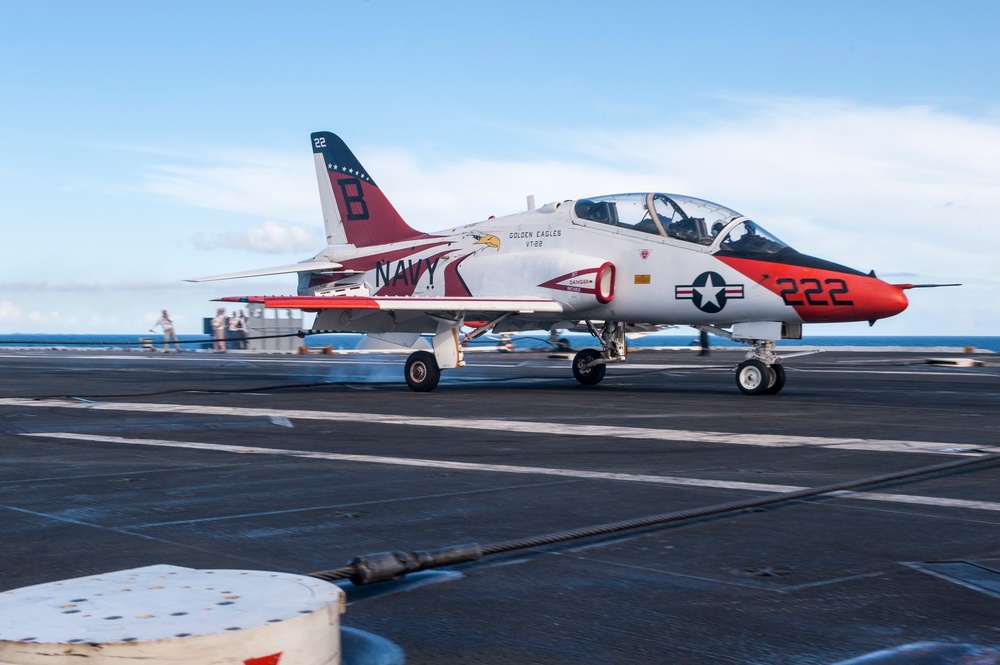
778 382
753 377
588 376
422 372
563 344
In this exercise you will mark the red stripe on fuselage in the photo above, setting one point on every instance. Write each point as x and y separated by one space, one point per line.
454 285
820 295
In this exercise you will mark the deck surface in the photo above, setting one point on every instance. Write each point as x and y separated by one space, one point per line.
112 460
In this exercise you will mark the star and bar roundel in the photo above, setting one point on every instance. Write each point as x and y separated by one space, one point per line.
709 292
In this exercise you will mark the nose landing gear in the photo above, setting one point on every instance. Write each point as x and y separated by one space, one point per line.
761 373
754 377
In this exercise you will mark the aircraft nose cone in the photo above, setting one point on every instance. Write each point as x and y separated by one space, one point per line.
884 300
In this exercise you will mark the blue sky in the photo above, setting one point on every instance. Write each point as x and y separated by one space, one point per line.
143 143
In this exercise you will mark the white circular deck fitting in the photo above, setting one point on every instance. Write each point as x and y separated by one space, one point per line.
168 614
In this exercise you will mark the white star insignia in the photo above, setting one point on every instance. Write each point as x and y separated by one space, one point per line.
710 292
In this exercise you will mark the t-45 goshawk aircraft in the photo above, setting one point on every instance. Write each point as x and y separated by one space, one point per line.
606 262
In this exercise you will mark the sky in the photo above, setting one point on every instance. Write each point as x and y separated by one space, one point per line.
143 143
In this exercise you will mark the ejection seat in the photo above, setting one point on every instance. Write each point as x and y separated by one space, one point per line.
597 211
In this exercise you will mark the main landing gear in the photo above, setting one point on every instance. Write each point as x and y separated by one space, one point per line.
590 365
423 368
422 372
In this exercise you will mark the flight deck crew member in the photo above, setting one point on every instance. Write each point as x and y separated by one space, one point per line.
219 331
238 330
168 331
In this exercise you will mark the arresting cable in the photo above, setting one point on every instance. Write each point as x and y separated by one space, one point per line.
385 566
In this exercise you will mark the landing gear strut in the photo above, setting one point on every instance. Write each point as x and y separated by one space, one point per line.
590 365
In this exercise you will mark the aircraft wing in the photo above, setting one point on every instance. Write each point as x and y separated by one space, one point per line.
405 304
305 266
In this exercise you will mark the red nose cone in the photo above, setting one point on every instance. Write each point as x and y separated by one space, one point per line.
883 300
852 298
849 298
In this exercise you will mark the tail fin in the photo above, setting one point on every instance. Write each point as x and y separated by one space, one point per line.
355 210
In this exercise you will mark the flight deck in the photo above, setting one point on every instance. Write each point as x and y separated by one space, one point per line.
112 460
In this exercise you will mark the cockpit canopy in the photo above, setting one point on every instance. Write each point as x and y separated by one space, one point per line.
681 218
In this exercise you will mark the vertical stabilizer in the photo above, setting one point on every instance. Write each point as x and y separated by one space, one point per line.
355 210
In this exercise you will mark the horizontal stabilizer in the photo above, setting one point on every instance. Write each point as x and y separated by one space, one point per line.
305 266
400 304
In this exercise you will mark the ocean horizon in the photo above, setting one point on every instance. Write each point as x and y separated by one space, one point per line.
346 341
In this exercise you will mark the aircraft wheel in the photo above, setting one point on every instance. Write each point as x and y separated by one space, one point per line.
563 344
753 377
778 371
588 376
422 372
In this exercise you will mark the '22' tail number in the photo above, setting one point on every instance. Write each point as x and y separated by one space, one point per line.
813 291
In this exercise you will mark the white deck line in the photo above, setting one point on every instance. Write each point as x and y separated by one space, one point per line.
527 427
506 468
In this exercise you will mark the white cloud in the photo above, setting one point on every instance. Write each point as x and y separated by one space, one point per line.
271 238
13 315
276 186
28 287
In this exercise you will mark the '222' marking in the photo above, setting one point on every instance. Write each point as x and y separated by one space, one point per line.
813 291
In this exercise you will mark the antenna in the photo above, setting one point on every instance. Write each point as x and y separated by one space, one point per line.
531 202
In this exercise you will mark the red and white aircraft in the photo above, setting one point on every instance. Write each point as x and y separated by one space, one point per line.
604 262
